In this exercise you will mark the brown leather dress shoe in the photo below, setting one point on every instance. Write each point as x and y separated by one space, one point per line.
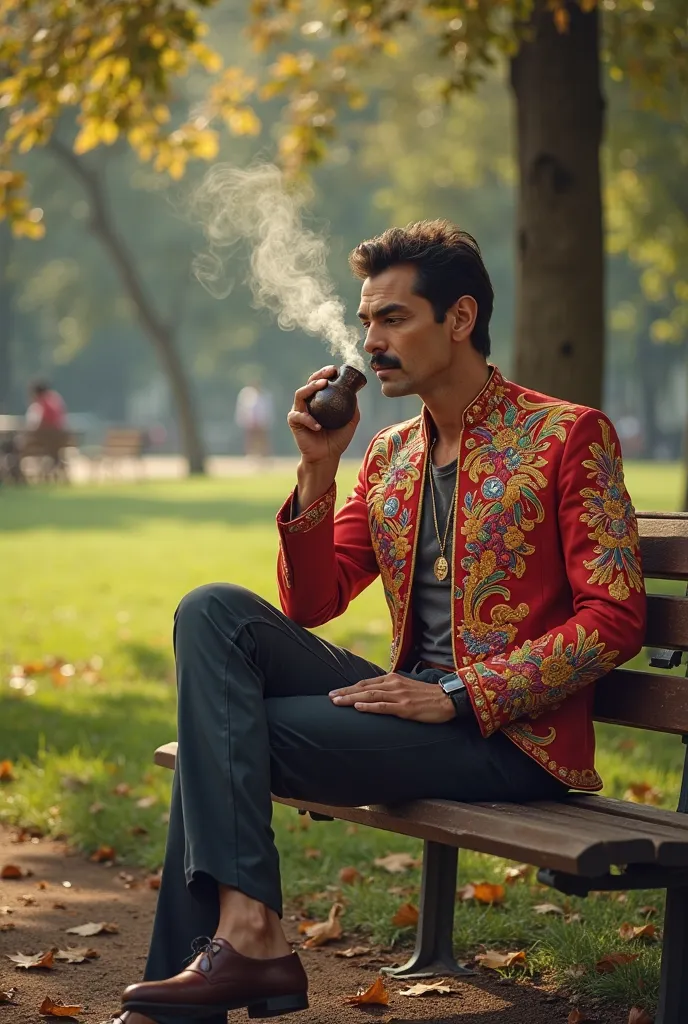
221 979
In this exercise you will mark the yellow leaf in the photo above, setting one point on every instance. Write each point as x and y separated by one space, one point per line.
243 121
87 139
375 995
109 132
320 932
206 145
498 961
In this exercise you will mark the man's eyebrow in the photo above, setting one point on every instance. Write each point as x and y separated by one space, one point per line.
378 314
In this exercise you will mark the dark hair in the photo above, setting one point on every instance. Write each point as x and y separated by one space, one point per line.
448 265
39 387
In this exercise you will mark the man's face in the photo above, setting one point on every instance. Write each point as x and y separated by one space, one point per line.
409 350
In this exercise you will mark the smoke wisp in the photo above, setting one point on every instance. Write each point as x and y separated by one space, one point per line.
288 271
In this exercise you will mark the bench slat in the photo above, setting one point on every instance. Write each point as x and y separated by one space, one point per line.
664 545
667 622
644 700
626 809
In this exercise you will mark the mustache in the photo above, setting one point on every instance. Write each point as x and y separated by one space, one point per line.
384 363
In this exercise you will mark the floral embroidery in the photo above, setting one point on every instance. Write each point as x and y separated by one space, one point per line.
508 446
585 779
396 464
611 518
314 515
532 678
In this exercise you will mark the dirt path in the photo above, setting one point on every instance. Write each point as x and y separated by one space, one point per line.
99 893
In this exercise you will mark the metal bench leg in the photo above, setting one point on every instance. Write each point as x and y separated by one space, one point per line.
673 990
433 954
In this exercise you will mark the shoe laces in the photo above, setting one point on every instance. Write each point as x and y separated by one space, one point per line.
206 946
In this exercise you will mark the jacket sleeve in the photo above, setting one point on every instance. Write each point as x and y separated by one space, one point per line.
599 538
325 559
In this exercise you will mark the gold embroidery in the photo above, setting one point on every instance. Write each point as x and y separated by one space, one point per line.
313 516
611 518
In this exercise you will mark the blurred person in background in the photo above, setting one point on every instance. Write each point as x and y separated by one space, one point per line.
253 416
47 408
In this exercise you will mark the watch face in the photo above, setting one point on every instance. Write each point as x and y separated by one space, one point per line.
452 684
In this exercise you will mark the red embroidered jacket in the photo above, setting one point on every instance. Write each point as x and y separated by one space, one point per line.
547 582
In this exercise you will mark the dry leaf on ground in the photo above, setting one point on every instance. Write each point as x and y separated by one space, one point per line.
72 955
434 988
122 789
103 854
59 906
49 1008
27 900
12 871
8 927
406 916
578 1017
7 771
647 911
576 971
639 1016
310 853
609 963
147 801
643 793
482 892
548 908
517 873
92 928
353 951
7 996
498 961
376 995
44 959
320 932
396 863
641 931
153 881
349 875
6 910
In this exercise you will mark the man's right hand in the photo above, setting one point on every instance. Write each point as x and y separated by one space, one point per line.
320 449
317 445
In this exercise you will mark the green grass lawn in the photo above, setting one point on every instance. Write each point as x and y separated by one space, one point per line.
96 572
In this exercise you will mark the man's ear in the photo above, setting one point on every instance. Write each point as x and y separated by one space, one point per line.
462 316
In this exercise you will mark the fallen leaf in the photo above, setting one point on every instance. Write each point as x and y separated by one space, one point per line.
576 971
482 892
548 908
147 801
103 854
517 873
28 901
434 988
122 789
72 955
639 1016
641 931
609 963
8 927
647 911
13 871
396 863
376 995
7 771
352 830
6 910
7 996
577 1017
44 959
349 875
498 961
406 916
312 854
49 1008
138 830
353 951
643 793
59 906
85 930
320 932
42 885
573 918
153 881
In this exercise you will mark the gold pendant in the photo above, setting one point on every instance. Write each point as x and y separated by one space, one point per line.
441 568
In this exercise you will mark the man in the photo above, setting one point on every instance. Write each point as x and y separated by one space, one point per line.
507 545
47 409
253 415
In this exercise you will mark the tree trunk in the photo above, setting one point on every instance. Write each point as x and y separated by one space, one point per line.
560 283
6 318
160 333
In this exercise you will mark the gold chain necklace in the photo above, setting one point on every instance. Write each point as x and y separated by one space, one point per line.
441 566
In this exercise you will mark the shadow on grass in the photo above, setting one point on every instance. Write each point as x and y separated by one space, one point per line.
150 662
110 725
112 510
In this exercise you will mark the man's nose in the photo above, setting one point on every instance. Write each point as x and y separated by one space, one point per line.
375 339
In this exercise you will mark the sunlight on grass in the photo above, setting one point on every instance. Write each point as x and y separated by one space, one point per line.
96 572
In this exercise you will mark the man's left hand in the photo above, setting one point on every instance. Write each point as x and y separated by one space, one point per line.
394 694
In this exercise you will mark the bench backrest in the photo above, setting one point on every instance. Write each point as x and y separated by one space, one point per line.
123 442
45 441
656 700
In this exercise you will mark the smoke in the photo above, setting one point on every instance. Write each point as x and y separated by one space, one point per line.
288 271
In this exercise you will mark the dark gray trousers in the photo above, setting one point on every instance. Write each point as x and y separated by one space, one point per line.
254 717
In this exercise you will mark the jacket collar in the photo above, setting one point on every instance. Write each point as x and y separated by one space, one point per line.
482 405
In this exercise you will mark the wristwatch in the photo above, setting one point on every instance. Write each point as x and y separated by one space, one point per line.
455 688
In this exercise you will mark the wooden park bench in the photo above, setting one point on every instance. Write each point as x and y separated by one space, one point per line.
43 449
582 843
122 443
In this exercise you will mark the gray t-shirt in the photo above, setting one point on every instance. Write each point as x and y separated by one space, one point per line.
432 598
